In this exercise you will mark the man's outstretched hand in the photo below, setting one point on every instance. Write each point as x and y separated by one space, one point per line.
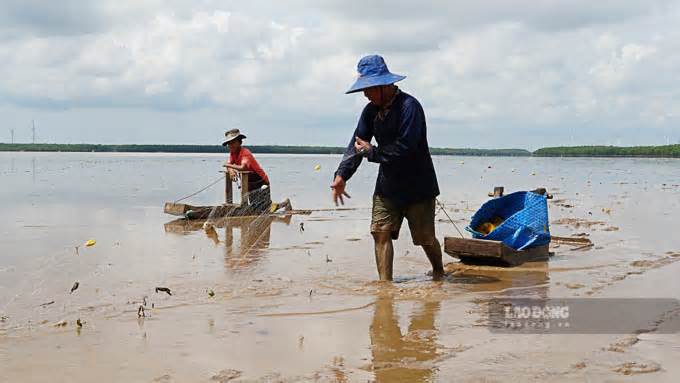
338 190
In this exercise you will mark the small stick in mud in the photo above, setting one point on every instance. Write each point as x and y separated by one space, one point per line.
75 287
47 304
584 247
163 290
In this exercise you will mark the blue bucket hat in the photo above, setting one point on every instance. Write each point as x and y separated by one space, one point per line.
373 72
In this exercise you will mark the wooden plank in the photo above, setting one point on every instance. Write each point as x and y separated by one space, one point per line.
228 190
571 240
497 192
244 188
175 208
457 246
483 252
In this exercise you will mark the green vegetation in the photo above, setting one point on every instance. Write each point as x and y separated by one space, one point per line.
480 152
162 148
562 151
610 151
220 149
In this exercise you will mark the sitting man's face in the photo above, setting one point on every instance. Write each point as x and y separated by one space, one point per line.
234 145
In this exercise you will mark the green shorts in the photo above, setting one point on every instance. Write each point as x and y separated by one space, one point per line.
387 217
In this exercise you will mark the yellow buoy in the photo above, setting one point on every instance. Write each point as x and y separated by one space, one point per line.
90 243
317 167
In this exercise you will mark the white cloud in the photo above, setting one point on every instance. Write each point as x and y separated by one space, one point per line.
504 68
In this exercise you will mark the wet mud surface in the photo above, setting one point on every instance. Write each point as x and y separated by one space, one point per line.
259 300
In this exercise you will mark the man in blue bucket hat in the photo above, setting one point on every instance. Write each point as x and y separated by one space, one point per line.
407 184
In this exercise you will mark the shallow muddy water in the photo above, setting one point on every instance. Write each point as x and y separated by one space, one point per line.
263 300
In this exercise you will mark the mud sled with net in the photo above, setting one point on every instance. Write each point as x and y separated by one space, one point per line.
506 231
244 208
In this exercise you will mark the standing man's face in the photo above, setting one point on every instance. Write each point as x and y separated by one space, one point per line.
374 95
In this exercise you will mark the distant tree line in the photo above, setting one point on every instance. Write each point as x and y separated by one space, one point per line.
280 149
480 152
163 148
610 151
562 151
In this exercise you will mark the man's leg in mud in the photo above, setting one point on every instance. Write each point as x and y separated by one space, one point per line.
434 255
384 254
420 218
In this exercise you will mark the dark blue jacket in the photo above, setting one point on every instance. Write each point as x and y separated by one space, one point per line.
406 172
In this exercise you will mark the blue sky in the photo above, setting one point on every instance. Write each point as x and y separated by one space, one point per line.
502 73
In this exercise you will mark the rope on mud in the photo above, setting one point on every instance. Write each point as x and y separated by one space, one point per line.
318 312
441 205
201 190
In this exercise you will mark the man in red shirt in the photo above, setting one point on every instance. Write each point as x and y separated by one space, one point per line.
242 159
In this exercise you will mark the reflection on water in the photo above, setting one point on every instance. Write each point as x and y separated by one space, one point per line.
253 235
403 357
412 355
531 278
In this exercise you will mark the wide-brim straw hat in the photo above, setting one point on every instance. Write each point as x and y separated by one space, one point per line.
232 135
373 72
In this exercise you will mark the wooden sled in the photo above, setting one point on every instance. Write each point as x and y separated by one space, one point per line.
228 209
494 253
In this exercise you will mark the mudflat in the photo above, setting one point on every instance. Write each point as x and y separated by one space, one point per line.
259 299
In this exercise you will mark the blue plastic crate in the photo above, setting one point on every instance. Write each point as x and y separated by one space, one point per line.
525 220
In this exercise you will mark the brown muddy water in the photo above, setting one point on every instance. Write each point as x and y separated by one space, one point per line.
262 300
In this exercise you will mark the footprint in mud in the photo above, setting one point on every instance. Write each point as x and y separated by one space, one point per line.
654 263
642 263
595 289
623 345
634 368
225 376
164 379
